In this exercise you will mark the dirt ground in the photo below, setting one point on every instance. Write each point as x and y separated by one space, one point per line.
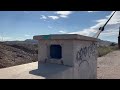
20 72
108 66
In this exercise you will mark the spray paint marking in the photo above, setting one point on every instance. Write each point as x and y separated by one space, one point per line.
85 53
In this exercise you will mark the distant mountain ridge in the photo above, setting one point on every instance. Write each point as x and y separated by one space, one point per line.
31 41
105 43
27 41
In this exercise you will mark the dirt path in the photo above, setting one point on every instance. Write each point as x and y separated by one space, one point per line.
109 66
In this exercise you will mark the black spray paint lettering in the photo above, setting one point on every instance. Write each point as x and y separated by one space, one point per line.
86 52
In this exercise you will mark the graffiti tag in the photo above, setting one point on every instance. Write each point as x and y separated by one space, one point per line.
85 53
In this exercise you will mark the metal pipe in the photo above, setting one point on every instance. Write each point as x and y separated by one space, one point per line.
102 28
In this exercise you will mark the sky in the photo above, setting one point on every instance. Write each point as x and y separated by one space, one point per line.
21 25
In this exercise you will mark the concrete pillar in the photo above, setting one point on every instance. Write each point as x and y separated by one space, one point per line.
78 61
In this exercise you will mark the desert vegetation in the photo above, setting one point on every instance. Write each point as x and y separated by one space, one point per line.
103 50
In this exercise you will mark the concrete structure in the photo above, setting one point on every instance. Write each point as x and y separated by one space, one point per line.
67 56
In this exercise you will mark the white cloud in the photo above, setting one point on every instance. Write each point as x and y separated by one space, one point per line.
63 32
5 38
92 11
114 20
53 17
63 14
49 27
100 23
109 33
21 38
26 12
111 28
101 20
59 14
110 14
43 17
86 32
26 35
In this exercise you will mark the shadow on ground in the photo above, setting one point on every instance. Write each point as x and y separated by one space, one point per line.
49 70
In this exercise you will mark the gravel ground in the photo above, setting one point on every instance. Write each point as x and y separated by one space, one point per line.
109 66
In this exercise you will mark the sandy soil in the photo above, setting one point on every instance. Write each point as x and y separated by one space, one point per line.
108 66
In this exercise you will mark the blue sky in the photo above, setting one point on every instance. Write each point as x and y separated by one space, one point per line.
21 25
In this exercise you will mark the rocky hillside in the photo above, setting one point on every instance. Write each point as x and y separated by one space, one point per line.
15 54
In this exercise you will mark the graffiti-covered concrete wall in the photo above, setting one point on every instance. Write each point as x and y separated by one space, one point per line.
85 59
79 56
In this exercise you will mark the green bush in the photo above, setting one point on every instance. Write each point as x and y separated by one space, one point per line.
103 50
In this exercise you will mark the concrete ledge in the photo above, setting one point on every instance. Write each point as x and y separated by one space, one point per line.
64 37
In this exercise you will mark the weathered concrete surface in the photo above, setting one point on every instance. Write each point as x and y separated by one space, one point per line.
109 66
20 72
79 52
85 59
53 71
63 37
30 71
67 52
